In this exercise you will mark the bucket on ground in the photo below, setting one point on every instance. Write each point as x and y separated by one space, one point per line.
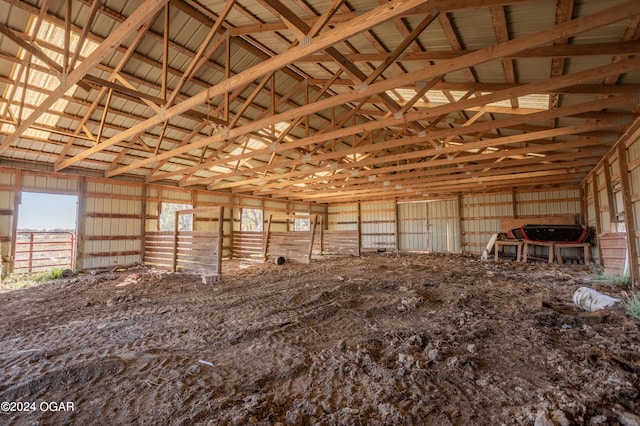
592 300
279 260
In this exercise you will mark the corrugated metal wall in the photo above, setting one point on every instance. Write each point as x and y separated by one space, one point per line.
7 210
51 183
603 194
444 226
277 208
116 212
378 225
432 226
633 152
481 215
633 161
548 203
592 219
413 233
342 217
110 224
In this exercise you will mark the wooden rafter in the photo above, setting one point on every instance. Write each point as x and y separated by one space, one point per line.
137 18
325 102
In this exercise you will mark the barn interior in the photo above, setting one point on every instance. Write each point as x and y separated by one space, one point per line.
320 211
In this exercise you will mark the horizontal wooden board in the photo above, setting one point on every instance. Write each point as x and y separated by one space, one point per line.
508 224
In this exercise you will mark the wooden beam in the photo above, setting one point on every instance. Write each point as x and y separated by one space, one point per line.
85 32
103 90
196 62
559 31
426 153
629 216
502 35
564 51
137 18
564 12
421 171
613 219
434 134
377 16
343 132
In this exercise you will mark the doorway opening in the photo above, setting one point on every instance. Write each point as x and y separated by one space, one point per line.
46 233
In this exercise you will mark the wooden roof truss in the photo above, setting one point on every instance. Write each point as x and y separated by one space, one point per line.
325 102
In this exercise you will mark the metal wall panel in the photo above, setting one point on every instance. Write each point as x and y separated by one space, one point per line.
112 233
378 227
444 226
342 217
603 191
174 195
634 183
204 199
412 227
45 182
550 203
7 177
276 208
481 215
213 199
253 203
7 208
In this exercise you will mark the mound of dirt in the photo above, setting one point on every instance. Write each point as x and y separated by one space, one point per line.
384 339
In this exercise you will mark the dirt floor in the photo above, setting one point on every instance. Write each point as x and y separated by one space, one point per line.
384 339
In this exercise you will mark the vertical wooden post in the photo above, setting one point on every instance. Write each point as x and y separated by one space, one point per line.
81 229
174 262
427 227
584 205
158 207
17 200
460 223
143 220
321 235
194 205
629 222
613 219
220 239
31 236
596 207
397 230
227 74
359 230
266 238
313 233
231 213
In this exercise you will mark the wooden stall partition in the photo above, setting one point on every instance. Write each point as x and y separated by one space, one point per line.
292 245
342 242
189 251
248 245
614 252
199 251
158 249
